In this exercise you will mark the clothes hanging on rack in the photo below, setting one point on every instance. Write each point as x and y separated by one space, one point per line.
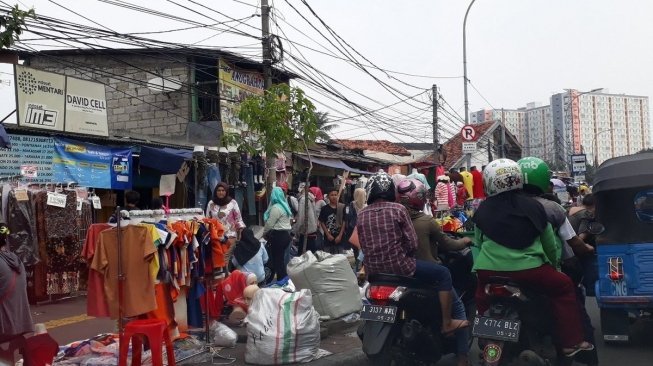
138 253
21 224
96 303
63 248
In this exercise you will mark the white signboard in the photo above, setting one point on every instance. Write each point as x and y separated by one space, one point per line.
579 178
578 163
41 102
86 107
7 94
469 147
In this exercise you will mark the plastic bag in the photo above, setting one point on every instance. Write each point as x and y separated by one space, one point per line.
222 335
331 280
282 328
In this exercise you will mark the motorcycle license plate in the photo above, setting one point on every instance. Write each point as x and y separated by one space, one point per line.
377 313
499 329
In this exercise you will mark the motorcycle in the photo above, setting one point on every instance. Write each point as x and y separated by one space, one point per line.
402 322
518 325
397 325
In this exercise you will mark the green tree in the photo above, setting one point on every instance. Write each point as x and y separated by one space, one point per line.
324 126
12 26
282 119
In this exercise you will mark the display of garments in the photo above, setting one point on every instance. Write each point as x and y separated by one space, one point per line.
15 316
63 246
22 227
137 253
96 304
468 182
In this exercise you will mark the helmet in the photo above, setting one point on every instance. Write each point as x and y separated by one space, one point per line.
412 194
536 173
380 186
502 175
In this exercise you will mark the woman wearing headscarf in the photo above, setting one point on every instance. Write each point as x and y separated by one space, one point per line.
250 255
277 230
226 210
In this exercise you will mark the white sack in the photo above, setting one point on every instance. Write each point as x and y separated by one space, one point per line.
282 328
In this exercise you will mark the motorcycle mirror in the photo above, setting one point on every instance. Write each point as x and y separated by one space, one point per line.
595 228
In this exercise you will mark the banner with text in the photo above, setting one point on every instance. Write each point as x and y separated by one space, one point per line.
30 156
86 110
92 165
40 98
50 101
234 86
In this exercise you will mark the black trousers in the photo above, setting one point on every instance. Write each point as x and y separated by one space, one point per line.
279 241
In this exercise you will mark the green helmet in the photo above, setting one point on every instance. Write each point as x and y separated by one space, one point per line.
536 173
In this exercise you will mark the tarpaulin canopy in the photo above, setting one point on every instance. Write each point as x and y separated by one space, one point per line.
335 163
166 160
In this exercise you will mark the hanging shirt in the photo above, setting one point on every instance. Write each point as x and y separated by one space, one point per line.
137 253
442 194
479 192
96 303
468 182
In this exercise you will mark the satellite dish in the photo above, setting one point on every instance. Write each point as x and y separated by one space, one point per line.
162 85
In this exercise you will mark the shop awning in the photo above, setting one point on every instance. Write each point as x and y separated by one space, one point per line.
166 160
335 163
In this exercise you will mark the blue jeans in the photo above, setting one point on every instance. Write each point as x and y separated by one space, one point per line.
462 335
433 273
441 277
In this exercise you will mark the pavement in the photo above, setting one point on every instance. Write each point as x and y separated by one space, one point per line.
66 321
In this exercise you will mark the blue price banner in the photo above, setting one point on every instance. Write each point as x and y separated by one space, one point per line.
92 165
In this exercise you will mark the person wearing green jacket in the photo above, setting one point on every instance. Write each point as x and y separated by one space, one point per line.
517 241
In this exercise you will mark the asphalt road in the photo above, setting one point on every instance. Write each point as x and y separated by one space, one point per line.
67 323
639 352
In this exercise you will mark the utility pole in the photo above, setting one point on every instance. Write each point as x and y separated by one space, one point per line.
267 70
436 140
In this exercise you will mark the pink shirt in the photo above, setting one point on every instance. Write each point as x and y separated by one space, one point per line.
229 215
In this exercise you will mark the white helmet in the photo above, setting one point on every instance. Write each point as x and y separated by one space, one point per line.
502 175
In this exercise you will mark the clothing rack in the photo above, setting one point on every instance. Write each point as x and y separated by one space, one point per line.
124 214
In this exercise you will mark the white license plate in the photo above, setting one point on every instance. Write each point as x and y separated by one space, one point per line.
378 313
499 329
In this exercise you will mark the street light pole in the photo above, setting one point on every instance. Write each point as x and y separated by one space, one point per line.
469 156
596 146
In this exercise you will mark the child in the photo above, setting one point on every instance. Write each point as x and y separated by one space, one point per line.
461 194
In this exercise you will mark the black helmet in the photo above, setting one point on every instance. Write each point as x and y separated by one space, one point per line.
380 186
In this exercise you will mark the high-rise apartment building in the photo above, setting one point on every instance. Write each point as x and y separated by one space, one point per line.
600 124
596 123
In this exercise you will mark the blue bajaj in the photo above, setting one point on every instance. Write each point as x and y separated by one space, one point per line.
624 205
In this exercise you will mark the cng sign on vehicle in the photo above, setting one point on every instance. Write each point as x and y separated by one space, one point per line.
578 163
469 136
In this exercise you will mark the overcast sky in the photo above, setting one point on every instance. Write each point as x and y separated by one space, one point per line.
519 51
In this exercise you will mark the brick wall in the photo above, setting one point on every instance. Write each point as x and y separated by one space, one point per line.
132 108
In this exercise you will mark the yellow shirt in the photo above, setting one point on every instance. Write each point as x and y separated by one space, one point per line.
468 182
156 241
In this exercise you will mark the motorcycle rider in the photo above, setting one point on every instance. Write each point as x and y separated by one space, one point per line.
413 195
389 241
537 175
517 241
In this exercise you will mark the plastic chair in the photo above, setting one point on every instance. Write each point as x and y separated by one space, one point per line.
156 332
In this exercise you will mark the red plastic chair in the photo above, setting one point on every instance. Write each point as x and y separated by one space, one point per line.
156 332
